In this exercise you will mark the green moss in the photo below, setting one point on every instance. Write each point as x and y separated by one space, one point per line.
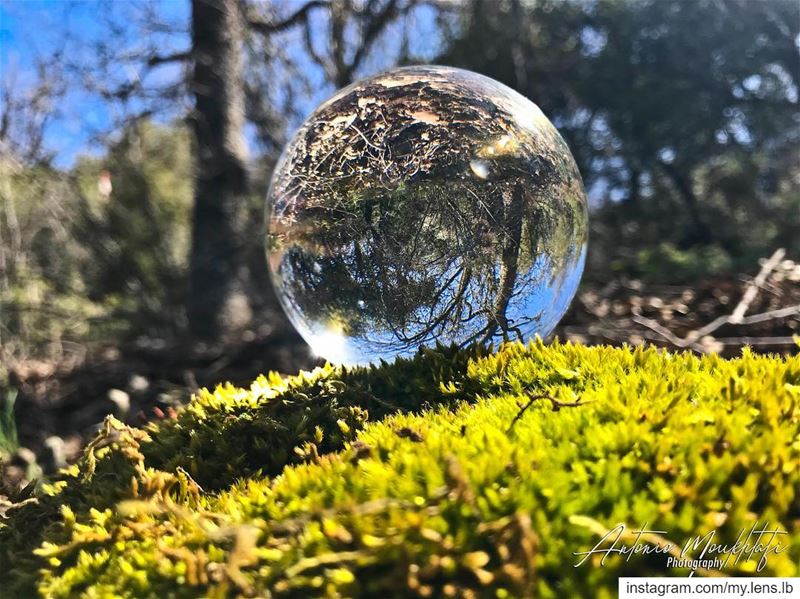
436 476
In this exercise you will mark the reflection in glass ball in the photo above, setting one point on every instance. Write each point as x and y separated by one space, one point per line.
424 205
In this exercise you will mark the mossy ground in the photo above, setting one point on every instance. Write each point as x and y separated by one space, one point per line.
437 476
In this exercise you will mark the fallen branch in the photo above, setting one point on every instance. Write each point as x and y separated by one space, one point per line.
692 338
657 327
736 317
771 315
752 341
557 405
752 290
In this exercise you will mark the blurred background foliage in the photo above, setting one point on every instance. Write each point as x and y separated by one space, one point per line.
682 115
138 233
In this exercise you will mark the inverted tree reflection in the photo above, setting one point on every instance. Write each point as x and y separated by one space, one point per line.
419 210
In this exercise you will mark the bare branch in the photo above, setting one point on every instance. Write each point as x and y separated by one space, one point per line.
155 60
657 327
752 291
737 317
557 405
771 315
376 25
756 341
326 65
265 27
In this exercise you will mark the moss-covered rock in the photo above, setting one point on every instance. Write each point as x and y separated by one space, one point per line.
462 474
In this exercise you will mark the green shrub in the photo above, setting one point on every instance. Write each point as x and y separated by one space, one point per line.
437 476
666 261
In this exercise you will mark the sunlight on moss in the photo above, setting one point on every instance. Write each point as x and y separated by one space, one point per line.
435 476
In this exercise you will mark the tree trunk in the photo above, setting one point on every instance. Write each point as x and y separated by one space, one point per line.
511 237
218 306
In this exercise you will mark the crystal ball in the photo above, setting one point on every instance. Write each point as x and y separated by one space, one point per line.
420 206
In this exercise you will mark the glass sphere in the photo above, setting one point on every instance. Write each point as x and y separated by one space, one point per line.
424 205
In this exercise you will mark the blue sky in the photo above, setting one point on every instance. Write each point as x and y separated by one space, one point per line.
31 29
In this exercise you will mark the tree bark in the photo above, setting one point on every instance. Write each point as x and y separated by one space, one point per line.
511 237
218 306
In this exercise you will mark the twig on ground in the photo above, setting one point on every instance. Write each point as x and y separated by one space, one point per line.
752 290
557 405
772 314
657 327
756 340
736 317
